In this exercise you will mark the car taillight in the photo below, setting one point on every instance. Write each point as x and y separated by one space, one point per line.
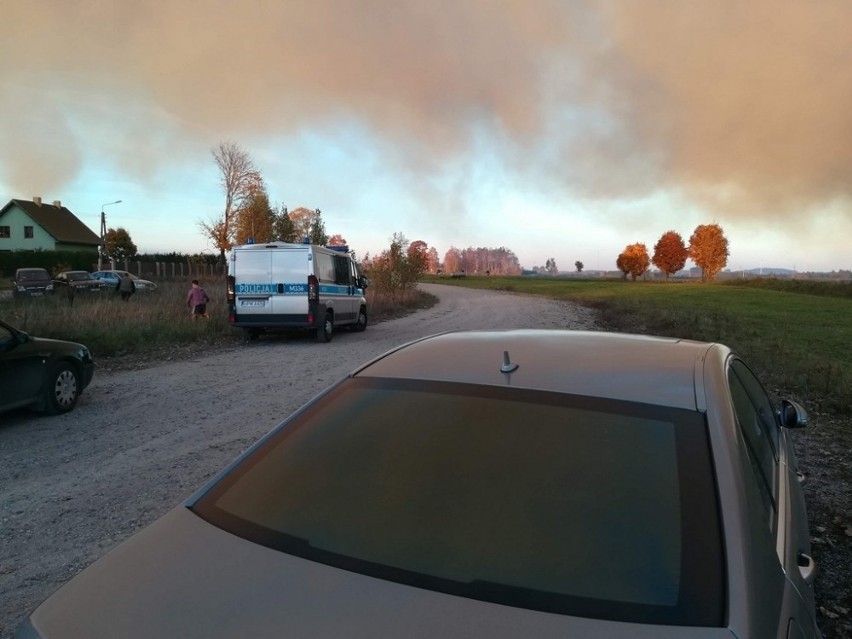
231 298
313 290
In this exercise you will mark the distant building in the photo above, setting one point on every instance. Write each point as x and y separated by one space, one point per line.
32 225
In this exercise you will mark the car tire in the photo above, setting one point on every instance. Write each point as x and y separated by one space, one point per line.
62 389
326 330
361 324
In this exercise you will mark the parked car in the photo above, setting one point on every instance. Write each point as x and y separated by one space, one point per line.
112 277
77 282
46 374
31 282
522 483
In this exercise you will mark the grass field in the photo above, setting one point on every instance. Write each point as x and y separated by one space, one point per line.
798 335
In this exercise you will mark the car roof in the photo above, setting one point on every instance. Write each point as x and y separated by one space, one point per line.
654 370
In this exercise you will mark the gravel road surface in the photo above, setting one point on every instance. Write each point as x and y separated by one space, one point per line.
141 441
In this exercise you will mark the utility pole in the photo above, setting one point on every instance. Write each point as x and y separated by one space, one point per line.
102 245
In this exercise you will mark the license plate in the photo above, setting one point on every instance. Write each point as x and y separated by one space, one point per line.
34 293
252 302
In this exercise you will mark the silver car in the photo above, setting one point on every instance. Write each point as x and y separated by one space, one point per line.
111 278
486 484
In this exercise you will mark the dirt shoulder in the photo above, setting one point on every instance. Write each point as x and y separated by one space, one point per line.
147 435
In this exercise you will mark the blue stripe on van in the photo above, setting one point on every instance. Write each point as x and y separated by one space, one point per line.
333 289
248 288
256 289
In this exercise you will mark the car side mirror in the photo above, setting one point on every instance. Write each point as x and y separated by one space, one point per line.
362 282
792 415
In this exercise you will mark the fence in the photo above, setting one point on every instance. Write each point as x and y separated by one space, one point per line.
169 270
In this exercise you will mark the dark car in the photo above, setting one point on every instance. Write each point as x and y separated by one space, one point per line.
521 483
72 282
46 374
32 282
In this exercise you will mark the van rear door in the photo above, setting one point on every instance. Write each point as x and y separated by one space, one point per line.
253 285
290 268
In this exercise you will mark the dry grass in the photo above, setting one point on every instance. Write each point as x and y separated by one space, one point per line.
156 321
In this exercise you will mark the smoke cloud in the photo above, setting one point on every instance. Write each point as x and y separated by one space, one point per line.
742 107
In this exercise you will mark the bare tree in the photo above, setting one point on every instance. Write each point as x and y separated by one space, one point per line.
239 179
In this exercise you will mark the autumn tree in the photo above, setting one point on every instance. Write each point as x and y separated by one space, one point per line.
397 269
452 260
302 219
118 245
337 240
283 229
499 261
418 256
317 230
708 248
634 260
579 266
670 253
255 217
238 178
434 264
621 264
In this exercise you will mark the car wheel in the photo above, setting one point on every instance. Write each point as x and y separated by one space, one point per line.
63 389
326 330
361 324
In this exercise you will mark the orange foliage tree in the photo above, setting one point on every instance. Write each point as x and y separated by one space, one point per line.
670 253
708 248
633 260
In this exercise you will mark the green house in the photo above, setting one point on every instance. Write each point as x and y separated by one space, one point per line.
33 225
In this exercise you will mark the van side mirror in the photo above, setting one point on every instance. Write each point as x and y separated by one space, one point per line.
362 282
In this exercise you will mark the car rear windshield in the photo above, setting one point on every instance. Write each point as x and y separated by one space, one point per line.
533 499
32 276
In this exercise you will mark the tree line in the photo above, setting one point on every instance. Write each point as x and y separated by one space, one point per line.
708 248
248 216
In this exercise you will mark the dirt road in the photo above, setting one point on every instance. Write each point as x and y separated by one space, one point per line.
139 442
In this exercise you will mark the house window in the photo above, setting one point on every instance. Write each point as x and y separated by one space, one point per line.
5 232
28 232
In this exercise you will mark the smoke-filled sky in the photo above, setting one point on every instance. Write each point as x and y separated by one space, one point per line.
564 129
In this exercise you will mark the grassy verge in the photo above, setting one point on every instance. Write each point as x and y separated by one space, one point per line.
797 335
153 322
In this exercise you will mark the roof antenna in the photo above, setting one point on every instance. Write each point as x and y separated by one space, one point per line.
508 365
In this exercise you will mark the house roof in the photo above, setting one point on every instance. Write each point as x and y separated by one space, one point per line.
61 223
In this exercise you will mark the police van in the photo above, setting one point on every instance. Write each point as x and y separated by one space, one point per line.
281 285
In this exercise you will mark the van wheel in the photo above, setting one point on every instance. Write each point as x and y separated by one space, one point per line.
361 324
62 389
326 330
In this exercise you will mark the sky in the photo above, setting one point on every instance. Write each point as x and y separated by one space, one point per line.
562 129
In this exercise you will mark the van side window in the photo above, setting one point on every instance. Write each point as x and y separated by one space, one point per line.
341 270
325 267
